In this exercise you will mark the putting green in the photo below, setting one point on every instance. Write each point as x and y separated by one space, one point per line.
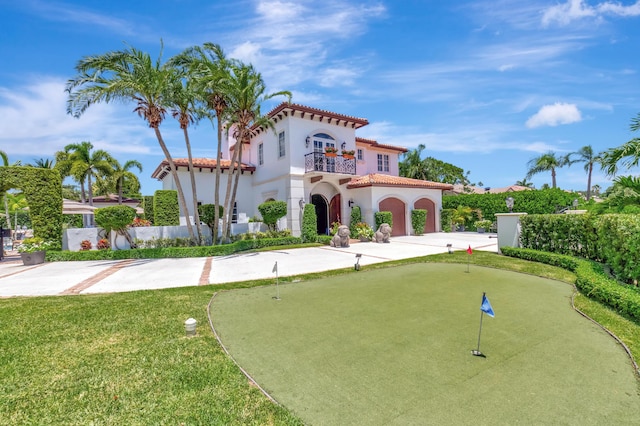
392 346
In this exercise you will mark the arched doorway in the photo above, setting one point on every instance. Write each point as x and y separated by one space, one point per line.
397 209
430 207
334 209
322 213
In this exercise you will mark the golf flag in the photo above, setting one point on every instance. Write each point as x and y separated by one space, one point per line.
275 267
469 250
486 306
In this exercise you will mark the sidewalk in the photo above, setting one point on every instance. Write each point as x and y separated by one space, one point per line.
63 278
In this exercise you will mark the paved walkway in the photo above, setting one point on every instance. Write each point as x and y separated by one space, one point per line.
61 278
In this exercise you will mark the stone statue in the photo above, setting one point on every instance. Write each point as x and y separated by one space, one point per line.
382 234
341 239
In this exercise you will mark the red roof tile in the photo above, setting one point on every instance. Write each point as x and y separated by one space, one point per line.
375 144
376 179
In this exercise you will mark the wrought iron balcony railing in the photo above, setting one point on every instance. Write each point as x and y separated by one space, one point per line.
320 162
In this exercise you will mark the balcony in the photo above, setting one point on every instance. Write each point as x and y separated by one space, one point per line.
320 162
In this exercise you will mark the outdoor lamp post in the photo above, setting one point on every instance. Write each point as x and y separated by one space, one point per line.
575 204
450 248
509 202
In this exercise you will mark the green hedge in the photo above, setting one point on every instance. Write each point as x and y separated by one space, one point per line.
591 280
619 243
356 217
418 221
208 214
43 190
172 252
147 206
571 234
166 211
309 223
383 217
272 211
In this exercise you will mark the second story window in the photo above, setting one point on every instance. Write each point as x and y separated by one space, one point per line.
261 154
360 155
281 150
383 163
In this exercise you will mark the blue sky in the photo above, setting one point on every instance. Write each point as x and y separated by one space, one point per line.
484 85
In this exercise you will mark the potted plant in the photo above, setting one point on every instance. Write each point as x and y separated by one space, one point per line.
33 250
331 151
348 154
461 215
363 231
482 225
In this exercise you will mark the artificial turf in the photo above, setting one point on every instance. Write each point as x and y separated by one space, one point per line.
392 346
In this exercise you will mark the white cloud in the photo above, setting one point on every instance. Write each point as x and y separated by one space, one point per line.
573 10
553 115
34 122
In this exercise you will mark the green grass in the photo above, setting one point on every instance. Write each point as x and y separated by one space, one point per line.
393 346
123 358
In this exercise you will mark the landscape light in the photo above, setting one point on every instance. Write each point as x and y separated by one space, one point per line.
450 248
509 202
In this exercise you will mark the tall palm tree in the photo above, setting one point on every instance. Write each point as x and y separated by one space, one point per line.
628 154
245 92
412 165
548 162
42 163
122 173
207 67
129 75
586 156
86 164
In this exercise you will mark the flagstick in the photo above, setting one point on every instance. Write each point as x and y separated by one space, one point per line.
277 280
477 352
468 261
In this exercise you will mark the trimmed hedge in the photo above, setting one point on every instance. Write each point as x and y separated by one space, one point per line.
571 234
309 223
147 206
172 252
619 243
43 190
356 217
272 211
383 217
591 280
418 221
166 211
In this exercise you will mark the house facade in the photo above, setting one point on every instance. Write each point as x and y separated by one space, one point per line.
293 164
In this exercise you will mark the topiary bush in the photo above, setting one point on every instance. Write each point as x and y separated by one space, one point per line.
309 223
208 214
418 221
166 211
272 211
383 217
147 206
356 217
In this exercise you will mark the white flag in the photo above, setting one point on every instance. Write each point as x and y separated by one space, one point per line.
275 268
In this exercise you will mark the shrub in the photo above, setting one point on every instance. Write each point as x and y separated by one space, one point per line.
363 230
147 206
418 221
208 214
115 218
309 223
272 211
166 211
86 245
334 227
139 222
103 244
383 217
483 223
356 218
446 220
30 245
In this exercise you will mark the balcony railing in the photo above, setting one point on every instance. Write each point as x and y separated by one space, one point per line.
320 162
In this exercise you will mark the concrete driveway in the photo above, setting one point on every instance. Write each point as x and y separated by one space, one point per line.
66 278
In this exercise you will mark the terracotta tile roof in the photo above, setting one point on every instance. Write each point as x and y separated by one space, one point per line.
460 189
376 179
375 144
285 108
199 163
113 198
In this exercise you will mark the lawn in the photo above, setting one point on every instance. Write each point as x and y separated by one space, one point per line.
123 358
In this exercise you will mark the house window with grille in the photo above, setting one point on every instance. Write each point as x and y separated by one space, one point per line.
261 154
360 155
281 151
383 163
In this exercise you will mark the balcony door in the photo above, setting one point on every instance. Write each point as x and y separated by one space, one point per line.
320 142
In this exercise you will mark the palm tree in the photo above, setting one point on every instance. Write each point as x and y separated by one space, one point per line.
586 156
121 173
412 165
545 163
628 153
244 90
207 67
524 182
42 163
131 75
85 164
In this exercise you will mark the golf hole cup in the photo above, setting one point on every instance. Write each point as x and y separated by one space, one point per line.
190 327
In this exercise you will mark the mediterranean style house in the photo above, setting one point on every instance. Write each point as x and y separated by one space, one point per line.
294 164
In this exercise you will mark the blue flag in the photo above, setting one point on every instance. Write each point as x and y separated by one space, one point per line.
486 306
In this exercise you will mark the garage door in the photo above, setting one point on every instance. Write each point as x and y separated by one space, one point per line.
397 208
430 207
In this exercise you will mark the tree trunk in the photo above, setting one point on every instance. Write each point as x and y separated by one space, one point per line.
236 179
589 181
6 210
174 174
214 231
553 177
228 210
194 192
120 184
